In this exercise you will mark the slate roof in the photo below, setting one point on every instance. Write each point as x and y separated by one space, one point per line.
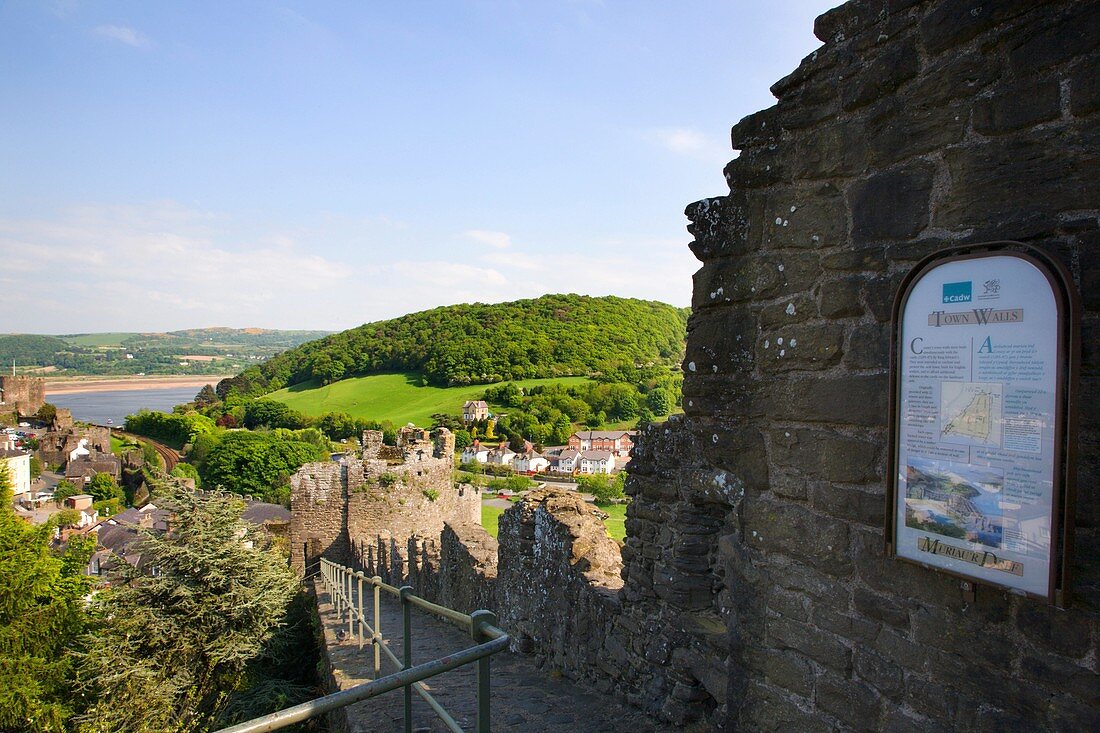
603 434
260 513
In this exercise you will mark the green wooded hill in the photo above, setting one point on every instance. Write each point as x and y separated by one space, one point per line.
29 349
551 336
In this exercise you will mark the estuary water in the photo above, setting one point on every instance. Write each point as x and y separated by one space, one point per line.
101 407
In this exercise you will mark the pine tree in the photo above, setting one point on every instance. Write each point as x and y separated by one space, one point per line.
177 639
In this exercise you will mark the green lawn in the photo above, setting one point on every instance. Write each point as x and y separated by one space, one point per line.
616 523
395 397
121 445
489 517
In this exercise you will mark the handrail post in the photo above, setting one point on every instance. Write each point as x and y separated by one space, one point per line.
377 640
359 577
478 621
351 601
406 621
337 590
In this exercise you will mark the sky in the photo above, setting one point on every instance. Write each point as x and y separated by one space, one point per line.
325 164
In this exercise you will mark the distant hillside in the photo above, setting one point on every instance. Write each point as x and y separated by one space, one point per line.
555 335
194 351
29 349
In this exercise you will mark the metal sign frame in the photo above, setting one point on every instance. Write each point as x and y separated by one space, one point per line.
1068 361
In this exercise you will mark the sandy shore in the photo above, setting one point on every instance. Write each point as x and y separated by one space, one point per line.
73 385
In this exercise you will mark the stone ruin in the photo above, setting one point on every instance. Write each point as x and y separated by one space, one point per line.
391 491
22 395
62 436
754 592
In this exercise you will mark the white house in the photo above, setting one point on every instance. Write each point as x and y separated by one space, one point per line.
19 469
475 452
568 461
597 461
80 450
502 455
529 461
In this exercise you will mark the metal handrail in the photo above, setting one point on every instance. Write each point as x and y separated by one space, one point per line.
341 583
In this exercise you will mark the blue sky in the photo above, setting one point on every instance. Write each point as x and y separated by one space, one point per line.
321 165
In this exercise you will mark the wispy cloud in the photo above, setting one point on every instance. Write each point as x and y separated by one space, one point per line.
123 34
500 240
162 265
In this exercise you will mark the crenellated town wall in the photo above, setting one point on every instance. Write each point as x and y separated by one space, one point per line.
753 591
393 492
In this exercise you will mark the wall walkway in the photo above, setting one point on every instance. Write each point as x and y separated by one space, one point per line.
525 696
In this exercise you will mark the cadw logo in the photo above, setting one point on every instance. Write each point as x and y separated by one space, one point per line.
958 292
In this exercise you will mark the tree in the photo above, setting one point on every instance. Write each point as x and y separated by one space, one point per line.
624 402
36 467
462 439
173 647
660 401
561 429
603 488
186 470
66 518
272 414
102 487
206 396
201 448
46 413
41 619
64 490
337 425
257 464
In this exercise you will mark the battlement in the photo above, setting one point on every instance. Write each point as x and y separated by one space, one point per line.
397 492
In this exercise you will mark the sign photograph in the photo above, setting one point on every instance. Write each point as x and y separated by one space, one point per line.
978 435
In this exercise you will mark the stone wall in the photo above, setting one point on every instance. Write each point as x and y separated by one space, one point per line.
916 126
24 395
63 437
753 591
555 581
390 492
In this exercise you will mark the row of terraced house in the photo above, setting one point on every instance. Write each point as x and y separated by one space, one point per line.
588 452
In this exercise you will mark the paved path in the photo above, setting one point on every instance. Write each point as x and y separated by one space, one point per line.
524 697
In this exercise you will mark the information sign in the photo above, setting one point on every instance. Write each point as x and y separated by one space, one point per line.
982 356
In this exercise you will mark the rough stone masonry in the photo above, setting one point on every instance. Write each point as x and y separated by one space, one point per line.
754 593
916 126
393 491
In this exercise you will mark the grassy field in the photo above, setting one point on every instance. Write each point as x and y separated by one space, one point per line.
94 340
395 397
616 523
